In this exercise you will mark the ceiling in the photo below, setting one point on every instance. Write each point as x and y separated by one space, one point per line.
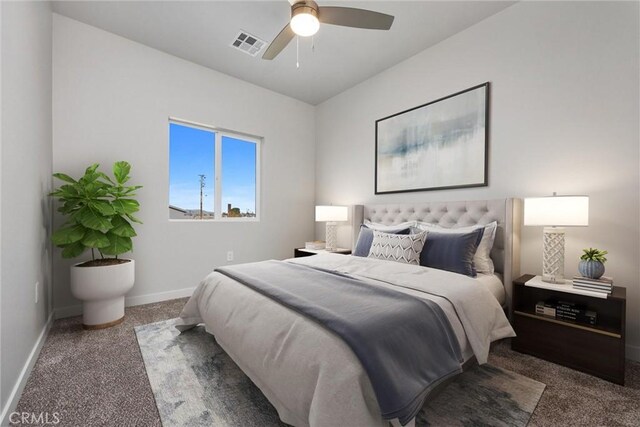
202 32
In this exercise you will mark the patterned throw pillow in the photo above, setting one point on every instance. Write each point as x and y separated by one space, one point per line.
365 239
398 247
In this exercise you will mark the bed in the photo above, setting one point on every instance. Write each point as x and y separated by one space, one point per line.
310 375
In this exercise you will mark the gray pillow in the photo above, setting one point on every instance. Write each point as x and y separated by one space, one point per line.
365 238
396 247
451 251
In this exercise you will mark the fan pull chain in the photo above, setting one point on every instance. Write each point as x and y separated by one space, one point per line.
313 44
297 52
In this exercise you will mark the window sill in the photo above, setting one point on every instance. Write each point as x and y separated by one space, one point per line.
213 221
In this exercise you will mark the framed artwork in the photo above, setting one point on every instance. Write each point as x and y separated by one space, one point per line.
439 145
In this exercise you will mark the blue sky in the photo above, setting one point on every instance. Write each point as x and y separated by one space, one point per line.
191 153
238 174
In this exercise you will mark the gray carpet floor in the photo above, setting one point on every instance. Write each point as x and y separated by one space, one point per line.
97 378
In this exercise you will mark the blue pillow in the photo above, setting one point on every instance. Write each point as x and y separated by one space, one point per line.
365 239
451 251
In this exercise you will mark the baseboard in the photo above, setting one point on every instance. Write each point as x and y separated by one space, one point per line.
76 310
158 297
633 352
15 394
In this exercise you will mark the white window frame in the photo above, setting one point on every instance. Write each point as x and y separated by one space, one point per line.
219 134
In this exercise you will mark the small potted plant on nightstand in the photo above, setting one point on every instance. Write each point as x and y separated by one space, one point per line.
99 212
592 263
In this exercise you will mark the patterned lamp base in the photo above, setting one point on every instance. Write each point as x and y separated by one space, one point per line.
331 237
553 255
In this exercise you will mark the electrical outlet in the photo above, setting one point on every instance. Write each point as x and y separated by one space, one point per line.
37 291
229 255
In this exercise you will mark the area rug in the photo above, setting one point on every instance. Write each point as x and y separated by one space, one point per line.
195 383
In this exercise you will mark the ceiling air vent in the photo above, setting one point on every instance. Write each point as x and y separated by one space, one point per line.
247 43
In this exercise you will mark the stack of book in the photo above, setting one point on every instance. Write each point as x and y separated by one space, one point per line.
547 309
603 285
566 310
315 245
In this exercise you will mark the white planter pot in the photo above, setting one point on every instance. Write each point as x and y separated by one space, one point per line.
101 290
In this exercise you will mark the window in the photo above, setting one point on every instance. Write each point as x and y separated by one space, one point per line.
213 173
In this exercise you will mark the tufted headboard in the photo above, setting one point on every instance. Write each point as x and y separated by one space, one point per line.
507 212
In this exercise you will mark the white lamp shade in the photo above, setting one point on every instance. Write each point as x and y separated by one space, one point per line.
331 213
557 211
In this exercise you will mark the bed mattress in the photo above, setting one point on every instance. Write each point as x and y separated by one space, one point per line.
309 374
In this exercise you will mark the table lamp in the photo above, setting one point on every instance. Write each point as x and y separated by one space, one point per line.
330 215
555 213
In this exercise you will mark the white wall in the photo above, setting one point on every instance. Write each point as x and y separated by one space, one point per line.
564 117
26 180
111 101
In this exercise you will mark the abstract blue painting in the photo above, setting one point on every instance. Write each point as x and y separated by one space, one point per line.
439 145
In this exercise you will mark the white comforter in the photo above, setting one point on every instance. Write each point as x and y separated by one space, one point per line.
309 374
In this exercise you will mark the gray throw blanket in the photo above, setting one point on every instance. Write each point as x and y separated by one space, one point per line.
405 345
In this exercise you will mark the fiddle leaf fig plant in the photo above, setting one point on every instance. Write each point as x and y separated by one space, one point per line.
99 210
593 254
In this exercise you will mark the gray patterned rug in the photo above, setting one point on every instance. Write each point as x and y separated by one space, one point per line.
195 383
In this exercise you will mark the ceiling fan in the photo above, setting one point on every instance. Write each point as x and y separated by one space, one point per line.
306 17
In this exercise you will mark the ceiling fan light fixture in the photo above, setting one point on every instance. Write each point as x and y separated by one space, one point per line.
304 20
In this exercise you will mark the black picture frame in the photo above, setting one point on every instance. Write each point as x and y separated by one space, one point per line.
394 135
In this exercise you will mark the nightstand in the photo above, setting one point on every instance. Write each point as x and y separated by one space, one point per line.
300 252
597 350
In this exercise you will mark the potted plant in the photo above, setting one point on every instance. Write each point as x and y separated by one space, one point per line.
592 263
99 212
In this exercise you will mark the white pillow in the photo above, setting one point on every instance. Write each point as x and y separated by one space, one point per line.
482 259
389 228
404 248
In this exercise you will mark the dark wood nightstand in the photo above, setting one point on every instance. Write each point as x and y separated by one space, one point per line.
597 350
300 252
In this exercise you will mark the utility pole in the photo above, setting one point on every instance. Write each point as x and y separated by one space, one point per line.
202 184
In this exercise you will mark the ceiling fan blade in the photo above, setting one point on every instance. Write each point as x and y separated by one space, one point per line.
280 42
358 18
